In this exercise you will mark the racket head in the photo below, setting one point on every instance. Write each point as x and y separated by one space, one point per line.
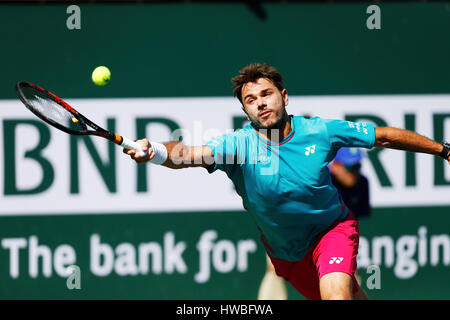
51 109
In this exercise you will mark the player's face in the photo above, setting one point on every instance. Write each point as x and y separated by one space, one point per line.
264 104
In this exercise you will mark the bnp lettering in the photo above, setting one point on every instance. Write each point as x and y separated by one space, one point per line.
105 163
16 134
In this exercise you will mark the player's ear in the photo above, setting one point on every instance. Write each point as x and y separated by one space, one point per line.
285 97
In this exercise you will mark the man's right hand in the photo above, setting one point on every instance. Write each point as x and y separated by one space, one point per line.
146 148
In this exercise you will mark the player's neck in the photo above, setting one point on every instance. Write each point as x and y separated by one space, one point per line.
277 135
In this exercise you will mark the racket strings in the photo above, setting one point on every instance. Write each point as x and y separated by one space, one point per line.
51 110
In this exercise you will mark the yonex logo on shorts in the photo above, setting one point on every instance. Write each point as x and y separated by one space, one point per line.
336 259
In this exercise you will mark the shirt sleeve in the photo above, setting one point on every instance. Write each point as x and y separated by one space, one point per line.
224 149
350 134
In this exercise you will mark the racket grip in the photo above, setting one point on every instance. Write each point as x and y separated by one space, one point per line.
130 144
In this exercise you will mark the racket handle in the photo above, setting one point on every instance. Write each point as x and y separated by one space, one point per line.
130 144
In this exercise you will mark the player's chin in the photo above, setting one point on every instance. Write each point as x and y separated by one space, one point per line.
269 124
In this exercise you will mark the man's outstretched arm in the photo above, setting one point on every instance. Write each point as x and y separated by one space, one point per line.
179 156
401 139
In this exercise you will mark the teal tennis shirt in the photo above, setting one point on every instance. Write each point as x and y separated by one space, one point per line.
287 187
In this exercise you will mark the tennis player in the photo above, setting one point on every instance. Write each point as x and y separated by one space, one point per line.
353 186
278 164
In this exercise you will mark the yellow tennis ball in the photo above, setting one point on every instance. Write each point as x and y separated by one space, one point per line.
101 75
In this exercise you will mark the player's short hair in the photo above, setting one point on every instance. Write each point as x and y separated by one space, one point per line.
253 72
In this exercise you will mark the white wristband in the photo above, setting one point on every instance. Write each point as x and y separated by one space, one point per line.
160 151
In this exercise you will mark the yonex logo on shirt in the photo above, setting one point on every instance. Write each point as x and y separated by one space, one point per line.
336 259
310 150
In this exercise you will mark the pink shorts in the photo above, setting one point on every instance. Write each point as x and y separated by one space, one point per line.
334 251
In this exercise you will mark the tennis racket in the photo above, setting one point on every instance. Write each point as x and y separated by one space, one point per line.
61 115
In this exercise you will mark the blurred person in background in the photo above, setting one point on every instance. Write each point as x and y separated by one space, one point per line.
352 185
272 286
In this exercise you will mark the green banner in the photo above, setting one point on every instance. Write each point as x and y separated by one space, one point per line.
194 49
131 256
204 255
